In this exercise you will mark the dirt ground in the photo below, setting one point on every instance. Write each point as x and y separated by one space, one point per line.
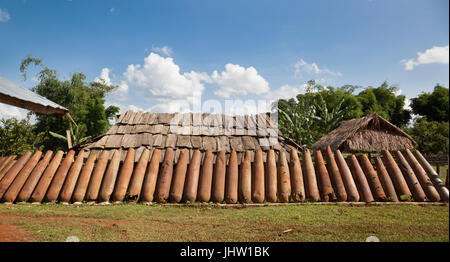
10 232
204 223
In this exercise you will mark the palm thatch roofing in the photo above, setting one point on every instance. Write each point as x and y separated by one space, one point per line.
192 131
371 133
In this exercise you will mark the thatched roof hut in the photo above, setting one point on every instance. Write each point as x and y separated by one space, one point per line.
371 133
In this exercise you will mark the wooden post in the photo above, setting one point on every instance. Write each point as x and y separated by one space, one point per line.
446 180
69 139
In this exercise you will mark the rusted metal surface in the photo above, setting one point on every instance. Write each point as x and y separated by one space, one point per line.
71 179
179 176
410 177
205 180
33 179
137 177
335 176
248 177
191 186
6 165
58 180
284 180
347 178
372 178
83 181
440 186
311 187
8 178
297 186
385 180
97 176
124 177
165 177
324 182
218 183
151 176
258 178
425 182
401 187
231 180
245 176
271 177
11 194
46 179
109 178
360 179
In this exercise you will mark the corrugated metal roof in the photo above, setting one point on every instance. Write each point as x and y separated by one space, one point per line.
16 95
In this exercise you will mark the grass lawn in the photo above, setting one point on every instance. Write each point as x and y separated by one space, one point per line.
203 222
442 172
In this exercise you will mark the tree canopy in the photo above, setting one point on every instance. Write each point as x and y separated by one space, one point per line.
17 137
434 106
384 101
309 116
85 102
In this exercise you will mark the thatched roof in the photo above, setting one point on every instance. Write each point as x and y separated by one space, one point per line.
371 133
215 132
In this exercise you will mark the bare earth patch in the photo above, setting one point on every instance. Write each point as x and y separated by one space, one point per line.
125 223
12 233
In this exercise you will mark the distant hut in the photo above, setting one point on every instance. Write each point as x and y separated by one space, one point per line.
371 133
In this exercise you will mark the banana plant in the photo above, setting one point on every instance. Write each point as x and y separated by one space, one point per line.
295 121
325 119
75 136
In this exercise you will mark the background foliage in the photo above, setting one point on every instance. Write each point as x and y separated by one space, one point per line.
85 102
17 137
305 118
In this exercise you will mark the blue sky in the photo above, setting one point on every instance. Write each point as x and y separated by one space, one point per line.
159 52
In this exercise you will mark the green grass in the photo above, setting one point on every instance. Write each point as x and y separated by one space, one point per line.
196 222
442 172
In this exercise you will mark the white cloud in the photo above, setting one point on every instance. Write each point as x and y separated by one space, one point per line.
161 77
165 50
285 92
237 80
4 15
123 108
407 105
7 111
120 92
436 54
181 106
303 67
104 77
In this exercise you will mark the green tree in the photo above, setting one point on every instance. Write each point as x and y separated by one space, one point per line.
85 102
431 136
309 116
386 103
17 137
434 106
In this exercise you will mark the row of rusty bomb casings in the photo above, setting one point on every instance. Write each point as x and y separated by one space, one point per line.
47 178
